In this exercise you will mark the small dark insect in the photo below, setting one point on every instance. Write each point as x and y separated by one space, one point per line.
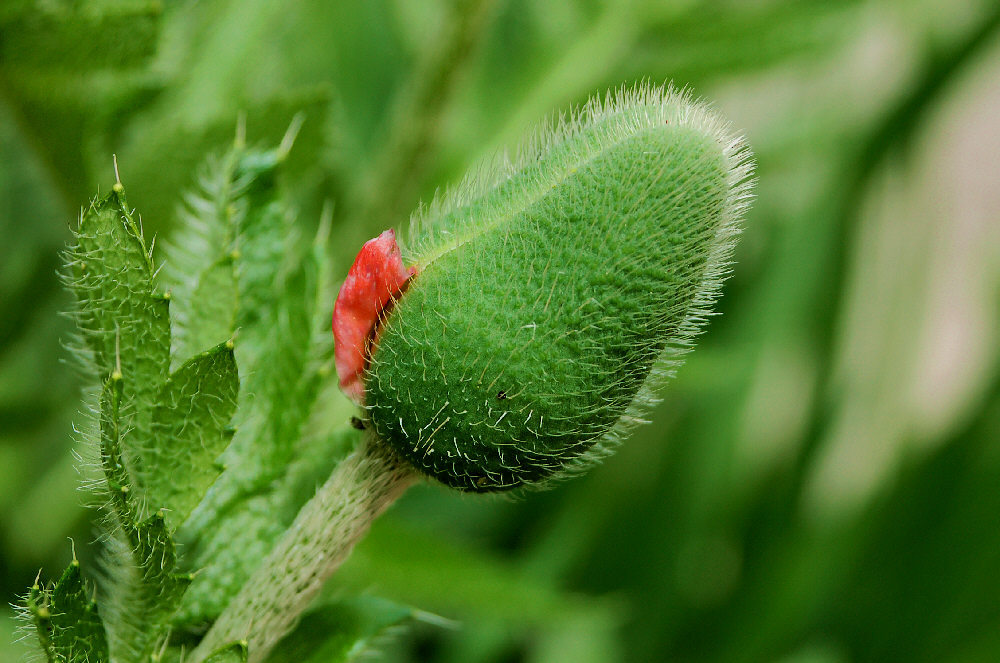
502 395
357 423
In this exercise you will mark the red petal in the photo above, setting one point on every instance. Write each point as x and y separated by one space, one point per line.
372 283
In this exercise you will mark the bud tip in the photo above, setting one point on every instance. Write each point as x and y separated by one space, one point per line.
374 281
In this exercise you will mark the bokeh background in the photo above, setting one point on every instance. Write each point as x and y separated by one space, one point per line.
822 480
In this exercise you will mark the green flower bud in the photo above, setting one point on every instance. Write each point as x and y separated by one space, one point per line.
551 291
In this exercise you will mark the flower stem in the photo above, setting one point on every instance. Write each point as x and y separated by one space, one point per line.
316 544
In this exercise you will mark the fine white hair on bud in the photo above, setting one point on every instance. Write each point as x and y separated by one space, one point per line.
553 290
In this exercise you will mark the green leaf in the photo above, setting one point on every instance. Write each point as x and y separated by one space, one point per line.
123 322
77 612
263 239
142 561
337 632
201 258
234 653
282 293
66 620
212 307
233 542
191 426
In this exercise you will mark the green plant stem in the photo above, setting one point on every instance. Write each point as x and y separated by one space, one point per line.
317 543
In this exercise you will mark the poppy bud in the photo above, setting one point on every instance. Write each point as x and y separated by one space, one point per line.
553 287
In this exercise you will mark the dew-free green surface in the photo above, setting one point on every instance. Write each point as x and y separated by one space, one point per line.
192 418
234 653
123 321
143 586
695 541
66 620
519 346
239 270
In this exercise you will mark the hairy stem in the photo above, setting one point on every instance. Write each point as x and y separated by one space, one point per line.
317 543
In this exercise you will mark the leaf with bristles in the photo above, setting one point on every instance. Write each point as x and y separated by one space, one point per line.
123 322
239 217
66 620
145 587
201 257
193 412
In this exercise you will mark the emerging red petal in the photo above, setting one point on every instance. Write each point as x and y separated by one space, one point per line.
374 280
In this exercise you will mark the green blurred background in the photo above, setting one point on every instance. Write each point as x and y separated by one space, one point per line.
822 480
